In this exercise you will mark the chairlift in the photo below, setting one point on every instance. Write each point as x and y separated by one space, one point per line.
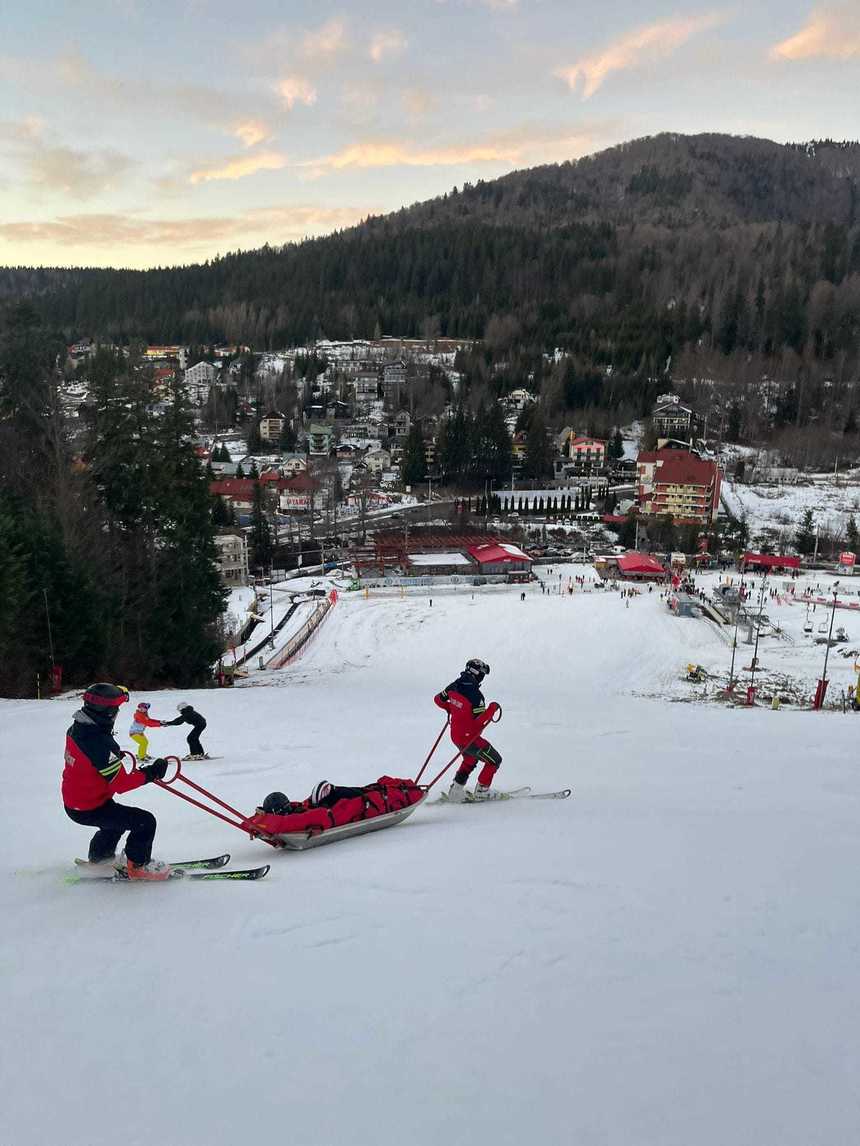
822 628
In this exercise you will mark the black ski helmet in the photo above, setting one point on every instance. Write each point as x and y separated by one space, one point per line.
276 804
477 668
102 701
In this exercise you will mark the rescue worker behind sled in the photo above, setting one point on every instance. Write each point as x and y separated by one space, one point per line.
464 703
93 775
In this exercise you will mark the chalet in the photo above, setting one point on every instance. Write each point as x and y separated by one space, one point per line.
377 460
366 386
402 424
671 419
587 454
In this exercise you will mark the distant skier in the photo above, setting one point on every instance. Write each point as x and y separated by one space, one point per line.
139 723
187 715
93 775
464 703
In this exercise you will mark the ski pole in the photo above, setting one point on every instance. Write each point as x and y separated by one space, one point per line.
433 749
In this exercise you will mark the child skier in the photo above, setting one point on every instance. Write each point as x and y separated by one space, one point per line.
187 715
93 775
139 723
464 703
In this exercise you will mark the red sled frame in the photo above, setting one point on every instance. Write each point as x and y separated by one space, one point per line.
235 819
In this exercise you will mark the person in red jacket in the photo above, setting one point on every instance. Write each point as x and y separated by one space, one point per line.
464 703
93 775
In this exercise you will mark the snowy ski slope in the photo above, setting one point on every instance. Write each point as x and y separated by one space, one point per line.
667 959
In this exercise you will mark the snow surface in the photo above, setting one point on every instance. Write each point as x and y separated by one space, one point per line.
667 959
773 506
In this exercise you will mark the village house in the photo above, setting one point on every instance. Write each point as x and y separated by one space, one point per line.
587 454
231 546
671 419
402 424
321 438
377 460
272 425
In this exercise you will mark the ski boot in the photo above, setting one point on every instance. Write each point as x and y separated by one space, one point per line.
482 792
456 793
153 870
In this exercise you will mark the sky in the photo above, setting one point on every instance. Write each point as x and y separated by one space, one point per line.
144 133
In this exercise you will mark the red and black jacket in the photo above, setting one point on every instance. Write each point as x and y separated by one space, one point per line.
93 772
464 703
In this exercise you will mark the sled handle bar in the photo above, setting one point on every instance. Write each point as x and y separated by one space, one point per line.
433 749
240 821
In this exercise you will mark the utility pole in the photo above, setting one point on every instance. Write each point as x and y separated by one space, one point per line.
758 630
735 644
820 691
815 552
50 635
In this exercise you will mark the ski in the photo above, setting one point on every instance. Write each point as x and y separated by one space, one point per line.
512 794
243 874
186 865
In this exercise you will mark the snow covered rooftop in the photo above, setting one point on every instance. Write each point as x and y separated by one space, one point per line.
439 559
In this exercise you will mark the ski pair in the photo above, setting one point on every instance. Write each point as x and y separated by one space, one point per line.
208 869
512 794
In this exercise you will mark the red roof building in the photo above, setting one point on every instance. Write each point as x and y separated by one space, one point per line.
500 557
678 483
640 567
768 561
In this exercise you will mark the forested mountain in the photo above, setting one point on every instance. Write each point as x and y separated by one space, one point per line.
662 246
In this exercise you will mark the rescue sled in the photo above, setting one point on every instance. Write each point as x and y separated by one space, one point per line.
389 801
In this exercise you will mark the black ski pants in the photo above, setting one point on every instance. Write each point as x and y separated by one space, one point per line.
194 745
113 820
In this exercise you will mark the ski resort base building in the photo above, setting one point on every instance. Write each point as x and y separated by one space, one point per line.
678 483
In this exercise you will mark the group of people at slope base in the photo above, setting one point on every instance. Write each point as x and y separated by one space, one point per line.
187 715
93 774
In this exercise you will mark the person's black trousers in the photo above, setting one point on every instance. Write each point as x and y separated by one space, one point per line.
113 820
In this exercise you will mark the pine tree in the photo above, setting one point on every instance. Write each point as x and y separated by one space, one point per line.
804 538
851 534
414 457
538 459
261 534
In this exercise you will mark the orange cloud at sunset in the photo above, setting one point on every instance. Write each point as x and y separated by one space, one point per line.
644 45
240 167
831 32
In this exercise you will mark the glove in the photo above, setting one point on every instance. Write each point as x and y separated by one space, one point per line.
155 771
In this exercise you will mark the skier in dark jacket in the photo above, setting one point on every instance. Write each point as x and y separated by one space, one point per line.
93 775
187 715
464 703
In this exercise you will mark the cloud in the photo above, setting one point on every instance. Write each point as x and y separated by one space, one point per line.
50 166
279 224
832 32
295 89
520 145
251 132
71 77
326 42
644 45
418 102
240 167
386 43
